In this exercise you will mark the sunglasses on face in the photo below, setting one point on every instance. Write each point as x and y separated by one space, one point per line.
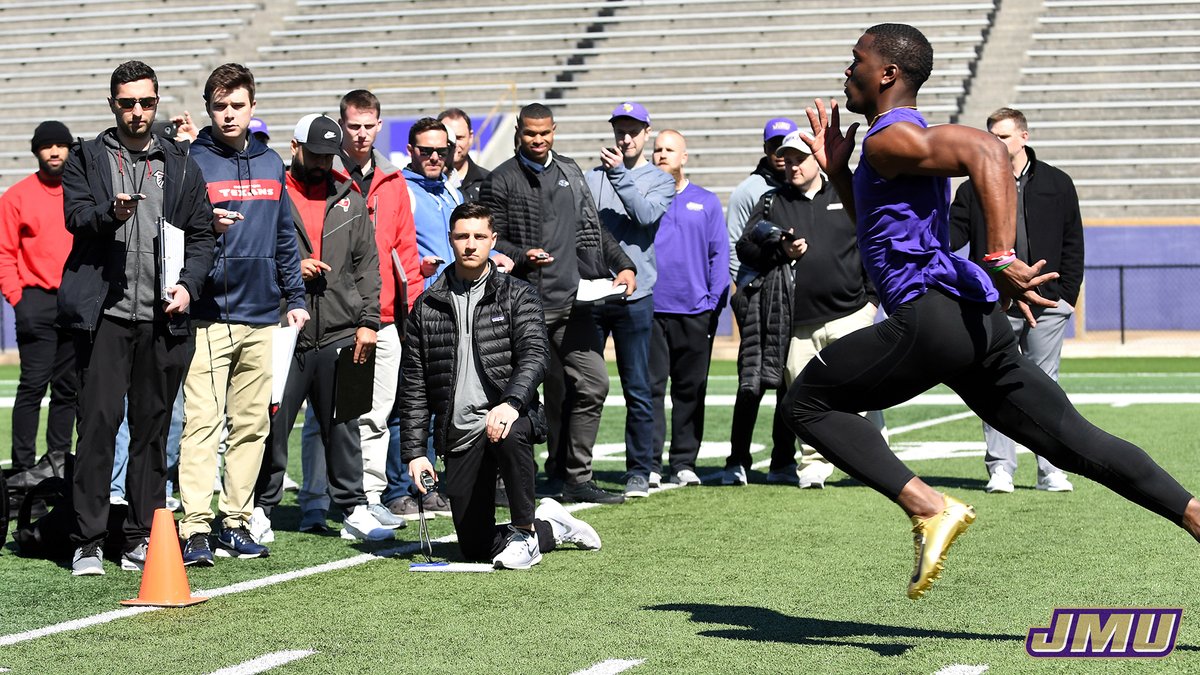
147 103
426 151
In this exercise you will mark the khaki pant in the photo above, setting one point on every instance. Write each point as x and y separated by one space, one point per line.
229 375
806 341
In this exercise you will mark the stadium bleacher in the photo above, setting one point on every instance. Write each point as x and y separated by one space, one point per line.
710 68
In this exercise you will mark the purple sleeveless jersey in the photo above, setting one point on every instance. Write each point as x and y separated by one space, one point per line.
904 232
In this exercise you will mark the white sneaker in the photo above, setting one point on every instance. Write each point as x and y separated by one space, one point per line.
685 477
362 524
117 500
1055 482
1001 481
814 475
521 552
173 504
567 528
655 479
260 527
734 475
290 485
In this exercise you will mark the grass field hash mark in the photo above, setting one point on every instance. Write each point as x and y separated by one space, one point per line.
610 667
265 662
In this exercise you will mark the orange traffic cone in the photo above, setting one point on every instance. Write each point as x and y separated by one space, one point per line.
164 581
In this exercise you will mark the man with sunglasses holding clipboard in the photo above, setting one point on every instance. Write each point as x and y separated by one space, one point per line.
130 329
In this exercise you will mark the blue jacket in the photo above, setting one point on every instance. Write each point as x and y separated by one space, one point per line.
255 261
432 202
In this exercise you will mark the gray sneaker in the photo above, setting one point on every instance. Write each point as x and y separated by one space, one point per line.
386 518
135 558
437 504
788 475
406 507
637 486
88 561
734 475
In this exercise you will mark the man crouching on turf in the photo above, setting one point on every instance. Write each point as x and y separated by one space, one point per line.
476 351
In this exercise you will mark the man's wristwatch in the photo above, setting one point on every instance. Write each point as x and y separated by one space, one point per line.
514 402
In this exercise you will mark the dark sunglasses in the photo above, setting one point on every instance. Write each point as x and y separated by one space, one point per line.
148 103
426 151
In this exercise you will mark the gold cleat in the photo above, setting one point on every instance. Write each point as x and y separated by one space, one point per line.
932 537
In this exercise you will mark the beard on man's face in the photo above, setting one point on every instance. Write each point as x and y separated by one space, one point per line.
309 175
51 171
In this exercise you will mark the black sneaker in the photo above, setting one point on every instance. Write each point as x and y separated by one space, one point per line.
552 487
196 551
590 492
235 542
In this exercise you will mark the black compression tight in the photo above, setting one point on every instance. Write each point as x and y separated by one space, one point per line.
969 347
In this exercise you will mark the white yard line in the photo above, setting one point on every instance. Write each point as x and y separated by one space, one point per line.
264 663
1119 400
253 584
94 620
959 669
610 667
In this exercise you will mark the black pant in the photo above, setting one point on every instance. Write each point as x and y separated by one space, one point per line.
970 347
312 375
745 416
143 361
470 483
47 358
576 385
680 348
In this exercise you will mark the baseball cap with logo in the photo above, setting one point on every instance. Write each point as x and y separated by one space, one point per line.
319 135
794 142
632 110
780 126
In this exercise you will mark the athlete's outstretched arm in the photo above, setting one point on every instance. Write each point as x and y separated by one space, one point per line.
955 150
832 150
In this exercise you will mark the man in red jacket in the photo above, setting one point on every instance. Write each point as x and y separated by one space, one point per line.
34 243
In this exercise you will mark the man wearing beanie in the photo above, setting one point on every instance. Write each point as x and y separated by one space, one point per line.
33 247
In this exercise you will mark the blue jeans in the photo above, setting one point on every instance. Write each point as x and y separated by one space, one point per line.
631 324
116 486
121 450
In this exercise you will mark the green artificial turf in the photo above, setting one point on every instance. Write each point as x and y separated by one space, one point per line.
764 579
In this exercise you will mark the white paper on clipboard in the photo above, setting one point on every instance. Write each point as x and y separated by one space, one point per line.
283 345
170 256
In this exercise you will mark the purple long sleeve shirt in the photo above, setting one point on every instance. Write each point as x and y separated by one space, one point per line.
692 245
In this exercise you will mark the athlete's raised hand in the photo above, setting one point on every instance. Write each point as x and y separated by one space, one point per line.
829 146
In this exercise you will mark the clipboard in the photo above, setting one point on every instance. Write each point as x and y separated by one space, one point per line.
596 290
353 386
170 256
283 346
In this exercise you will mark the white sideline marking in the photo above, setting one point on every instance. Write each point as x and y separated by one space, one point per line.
1120 400
86 622
960 669
265 662
610 667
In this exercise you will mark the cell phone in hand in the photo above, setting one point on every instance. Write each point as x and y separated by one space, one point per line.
788 236
137 197
234 215
542 256
437 260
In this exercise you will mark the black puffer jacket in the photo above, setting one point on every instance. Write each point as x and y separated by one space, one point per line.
510 339
763 308
512 192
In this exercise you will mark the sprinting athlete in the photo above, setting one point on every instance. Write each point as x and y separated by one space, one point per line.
944 322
